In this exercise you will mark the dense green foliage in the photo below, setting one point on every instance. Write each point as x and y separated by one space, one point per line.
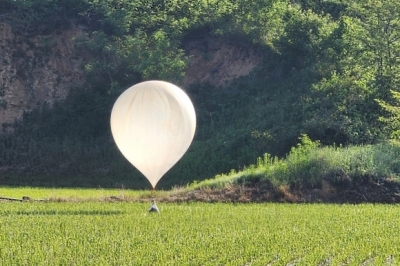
198 234
326 66
392 118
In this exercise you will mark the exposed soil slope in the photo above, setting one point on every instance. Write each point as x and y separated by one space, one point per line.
218 61
36 69
369 191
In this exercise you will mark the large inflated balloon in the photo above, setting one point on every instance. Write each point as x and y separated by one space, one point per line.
153 124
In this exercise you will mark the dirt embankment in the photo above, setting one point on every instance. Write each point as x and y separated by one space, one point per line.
218 61
36 69
366 191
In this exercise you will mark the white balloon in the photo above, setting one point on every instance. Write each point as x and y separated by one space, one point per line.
153 124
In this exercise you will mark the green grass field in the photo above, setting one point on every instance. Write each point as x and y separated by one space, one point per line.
77 194
120 233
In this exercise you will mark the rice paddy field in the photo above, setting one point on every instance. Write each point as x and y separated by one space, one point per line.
125 233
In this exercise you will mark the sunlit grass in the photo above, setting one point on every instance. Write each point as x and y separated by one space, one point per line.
78 193
103 233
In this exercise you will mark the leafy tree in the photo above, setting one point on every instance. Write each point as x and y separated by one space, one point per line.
378 41
392 119
300 43
131 58
338 109
332 7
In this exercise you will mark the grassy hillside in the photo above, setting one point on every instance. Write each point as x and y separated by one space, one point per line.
322 67
310 166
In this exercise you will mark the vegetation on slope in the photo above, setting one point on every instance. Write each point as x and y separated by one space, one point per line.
309 164
328 69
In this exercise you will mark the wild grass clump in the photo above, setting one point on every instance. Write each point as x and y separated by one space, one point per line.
309 163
